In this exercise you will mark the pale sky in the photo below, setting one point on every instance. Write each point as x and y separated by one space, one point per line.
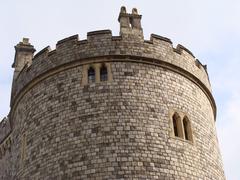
210 29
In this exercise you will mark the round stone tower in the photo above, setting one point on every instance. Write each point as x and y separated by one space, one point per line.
112 107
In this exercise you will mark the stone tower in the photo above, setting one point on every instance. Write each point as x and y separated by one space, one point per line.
110 107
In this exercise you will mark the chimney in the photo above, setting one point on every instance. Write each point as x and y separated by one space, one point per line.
130 24
23 56
136 20
124 20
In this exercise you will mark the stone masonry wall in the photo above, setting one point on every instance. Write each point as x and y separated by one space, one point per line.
114 130
5 149
6 164
5 129
62 127
102 43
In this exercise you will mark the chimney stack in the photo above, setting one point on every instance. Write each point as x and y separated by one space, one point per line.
23 55
130 24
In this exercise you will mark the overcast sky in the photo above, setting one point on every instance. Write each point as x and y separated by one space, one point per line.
210 29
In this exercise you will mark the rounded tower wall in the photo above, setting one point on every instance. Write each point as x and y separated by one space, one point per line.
118 129
158 50
111 107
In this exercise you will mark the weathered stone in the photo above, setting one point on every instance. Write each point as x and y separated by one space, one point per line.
61 126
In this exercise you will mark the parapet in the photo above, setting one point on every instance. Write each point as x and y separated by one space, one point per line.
157 50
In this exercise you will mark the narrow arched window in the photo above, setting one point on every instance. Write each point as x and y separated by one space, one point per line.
177 125
103 73
91 75
187 129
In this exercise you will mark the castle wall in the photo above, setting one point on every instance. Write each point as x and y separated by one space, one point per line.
103 44
62 126
114 130
5 129
5 149
5 165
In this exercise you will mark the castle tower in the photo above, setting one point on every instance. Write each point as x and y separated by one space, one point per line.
110 107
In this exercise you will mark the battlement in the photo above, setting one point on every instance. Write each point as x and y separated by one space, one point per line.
102 44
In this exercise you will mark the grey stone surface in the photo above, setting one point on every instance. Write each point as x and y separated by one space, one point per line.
119 129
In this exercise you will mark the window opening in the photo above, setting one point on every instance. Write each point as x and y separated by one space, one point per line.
177 125
187 129
91 75
103 73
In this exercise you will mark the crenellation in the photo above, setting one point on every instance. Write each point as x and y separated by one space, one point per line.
158 39
200 65
180 48
113 45
99 35
52 53
43 54
73 38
